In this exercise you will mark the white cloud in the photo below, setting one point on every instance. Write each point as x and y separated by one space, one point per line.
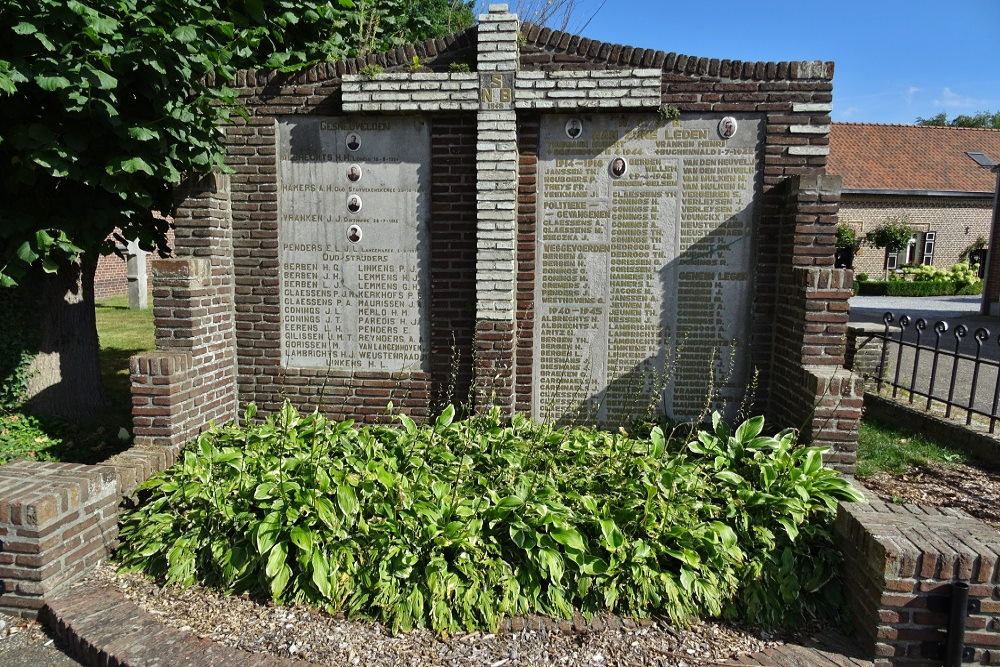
848 113
910 92
951 100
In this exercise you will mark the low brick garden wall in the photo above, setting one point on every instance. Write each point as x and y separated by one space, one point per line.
58 520
900 565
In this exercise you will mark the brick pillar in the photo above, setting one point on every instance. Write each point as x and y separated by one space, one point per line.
190 379
810 389
900 565
496 190
991 290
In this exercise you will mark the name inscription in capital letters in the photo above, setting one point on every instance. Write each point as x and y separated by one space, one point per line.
643 266
353 205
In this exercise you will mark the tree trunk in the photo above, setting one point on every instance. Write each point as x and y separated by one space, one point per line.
67 370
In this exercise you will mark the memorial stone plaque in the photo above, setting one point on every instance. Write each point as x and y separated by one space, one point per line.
353 204
644 264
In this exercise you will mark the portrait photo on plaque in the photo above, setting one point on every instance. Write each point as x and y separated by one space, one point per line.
353 141
618 167
354 173
354 234
727 127
354 203
574 128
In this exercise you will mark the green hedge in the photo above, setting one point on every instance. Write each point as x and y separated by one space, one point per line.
914 288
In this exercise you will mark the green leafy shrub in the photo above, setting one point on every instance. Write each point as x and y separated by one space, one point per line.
893 235
905 288
27 437
15 350
924 280
458 523
861 277
847 237
779 499
961 274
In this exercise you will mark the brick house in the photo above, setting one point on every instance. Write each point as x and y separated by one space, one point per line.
920 175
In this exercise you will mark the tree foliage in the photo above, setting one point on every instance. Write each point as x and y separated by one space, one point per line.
104 105
986 119
894 235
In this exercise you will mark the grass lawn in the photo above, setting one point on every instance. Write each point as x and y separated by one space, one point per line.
884 448
122 333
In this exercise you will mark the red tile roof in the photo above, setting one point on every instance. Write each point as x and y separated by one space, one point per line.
911 157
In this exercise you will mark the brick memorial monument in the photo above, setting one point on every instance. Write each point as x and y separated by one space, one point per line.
544 223
577 230
581 231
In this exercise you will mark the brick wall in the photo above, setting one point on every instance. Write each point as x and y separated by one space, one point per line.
453 249
864 353
482 262
56 520
900 563
957 221
189 380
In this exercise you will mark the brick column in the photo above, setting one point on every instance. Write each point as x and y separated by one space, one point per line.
496 196
190 379
810 389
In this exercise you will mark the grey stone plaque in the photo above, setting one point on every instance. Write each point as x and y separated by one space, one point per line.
643 266
353 205
496 91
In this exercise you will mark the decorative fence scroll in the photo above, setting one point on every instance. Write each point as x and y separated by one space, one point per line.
944 365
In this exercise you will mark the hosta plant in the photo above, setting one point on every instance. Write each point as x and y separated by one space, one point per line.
455 524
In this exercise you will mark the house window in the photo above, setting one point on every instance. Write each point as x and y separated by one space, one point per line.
909 256
929 239
911 251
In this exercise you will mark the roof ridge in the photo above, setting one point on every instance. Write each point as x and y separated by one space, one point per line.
911 125
679 63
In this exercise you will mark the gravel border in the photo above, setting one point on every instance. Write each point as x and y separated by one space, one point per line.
277 633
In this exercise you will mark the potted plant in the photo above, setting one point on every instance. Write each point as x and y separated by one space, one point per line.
847 245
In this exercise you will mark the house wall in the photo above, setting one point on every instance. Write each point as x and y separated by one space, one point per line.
958 222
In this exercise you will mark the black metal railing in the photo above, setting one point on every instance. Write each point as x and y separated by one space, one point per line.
941 366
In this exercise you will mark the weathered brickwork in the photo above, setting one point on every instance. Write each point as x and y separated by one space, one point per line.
900 562
588 89
958 222
56 521
864 353
457 91
189 380
810 389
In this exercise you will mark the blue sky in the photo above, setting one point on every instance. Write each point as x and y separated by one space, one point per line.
895 59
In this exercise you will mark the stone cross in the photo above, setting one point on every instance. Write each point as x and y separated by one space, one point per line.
496 92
